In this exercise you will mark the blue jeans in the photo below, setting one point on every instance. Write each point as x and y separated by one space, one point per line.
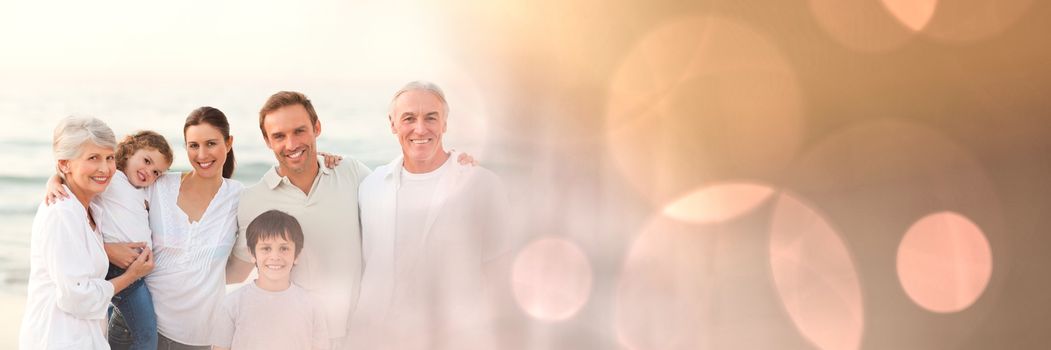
134 325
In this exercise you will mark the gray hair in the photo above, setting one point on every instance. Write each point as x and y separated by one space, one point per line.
73 131
421 85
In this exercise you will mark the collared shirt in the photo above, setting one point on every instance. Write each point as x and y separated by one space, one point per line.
189 279
68 291
424 280
329 267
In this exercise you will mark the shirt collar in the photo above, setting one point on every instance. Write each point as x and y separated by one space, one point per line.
394 170
273 179
395 166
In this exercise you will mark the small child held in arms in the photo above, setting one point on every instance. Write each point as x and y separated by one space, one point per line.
141 158
271 312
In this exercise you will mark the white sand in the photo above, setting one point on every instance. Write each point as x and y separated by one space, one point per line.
11 319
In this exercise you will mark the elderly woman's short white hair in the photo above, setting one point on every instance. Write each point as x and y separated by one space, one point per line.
421 85
73 131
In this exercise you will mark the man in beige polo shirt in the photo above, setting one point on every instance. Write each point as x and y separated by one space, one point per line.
325 201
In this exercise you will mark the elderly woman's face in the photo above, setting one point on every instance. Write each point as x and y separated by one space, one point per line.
90 172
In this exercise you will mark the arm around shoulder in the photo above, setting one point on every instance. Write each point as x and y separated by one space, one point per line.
237 270
238 264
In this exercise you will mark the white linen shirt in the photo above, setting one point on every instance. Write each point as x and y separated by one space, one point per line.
126 218
68 291
424 279
189 279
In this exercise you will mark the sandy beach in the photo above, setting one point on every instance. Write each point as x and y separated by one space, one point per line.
14 305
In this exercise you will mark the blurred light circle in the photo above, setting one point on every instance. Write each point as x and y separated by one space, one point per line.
815 276
876 178
892 167
965 21
664 294
551 279
701 99
914 14
944 262
866 25
718 203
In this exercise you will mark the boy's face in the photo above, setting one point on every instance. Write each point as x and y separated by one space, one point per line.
144 166
274 257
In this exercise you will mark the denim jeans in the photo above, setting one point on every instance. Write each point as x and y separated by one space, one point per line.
119 329
137 326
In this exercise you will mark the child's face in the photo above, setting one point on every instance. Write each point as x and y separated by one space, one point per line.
274 257
144 166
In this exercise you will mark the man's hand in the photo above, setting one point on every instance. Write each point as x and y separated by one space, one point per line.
331 160
466 159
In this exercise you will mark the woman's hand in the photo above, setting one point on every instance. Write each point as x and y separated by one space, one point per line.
331 160
142 265
55 191
123 255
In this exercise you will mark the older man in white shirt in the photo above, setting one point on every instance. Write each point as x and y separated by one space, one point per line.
431 228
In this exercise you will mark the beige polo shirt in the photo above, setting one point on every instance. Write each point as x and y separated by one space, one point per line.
329 266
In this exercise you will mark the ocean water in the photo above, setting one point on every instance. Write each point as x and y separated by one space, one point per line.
353 124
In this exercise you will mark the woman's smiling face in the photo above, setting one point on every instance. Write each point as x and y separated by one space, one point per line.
90 172
206 149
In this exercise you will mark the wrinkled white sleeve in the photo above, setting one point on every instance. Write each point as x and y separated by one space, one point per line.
80 293
240 249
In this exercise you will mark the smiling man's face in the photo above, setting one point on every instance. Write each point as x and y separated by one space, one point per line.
293 138
418 120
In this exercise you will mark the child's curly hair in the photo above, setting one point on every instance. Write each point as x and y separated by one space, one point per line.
139 140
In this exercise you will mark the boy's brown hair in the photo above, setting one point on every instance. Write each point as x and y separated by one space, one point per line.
140 140
274 223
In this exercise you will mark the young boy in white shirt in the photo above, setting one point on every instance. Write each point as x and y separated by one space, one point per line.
271 312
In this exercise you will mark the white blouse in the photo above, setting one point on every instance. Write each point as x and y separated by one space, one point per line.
68 291
189 280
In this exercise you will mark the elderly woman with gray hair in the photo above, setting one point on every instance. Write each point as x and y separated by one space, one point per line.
68 290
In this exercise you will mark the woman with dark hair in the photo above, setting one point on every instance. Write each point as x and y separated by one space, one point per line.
193 216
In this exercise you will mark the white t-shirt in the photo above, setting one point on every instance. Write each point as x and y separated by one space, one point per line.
414 204
189 279
253 318
68 291
127 219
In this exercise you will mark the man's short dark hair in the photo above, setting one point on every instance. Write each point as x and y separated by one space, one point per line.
282 99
